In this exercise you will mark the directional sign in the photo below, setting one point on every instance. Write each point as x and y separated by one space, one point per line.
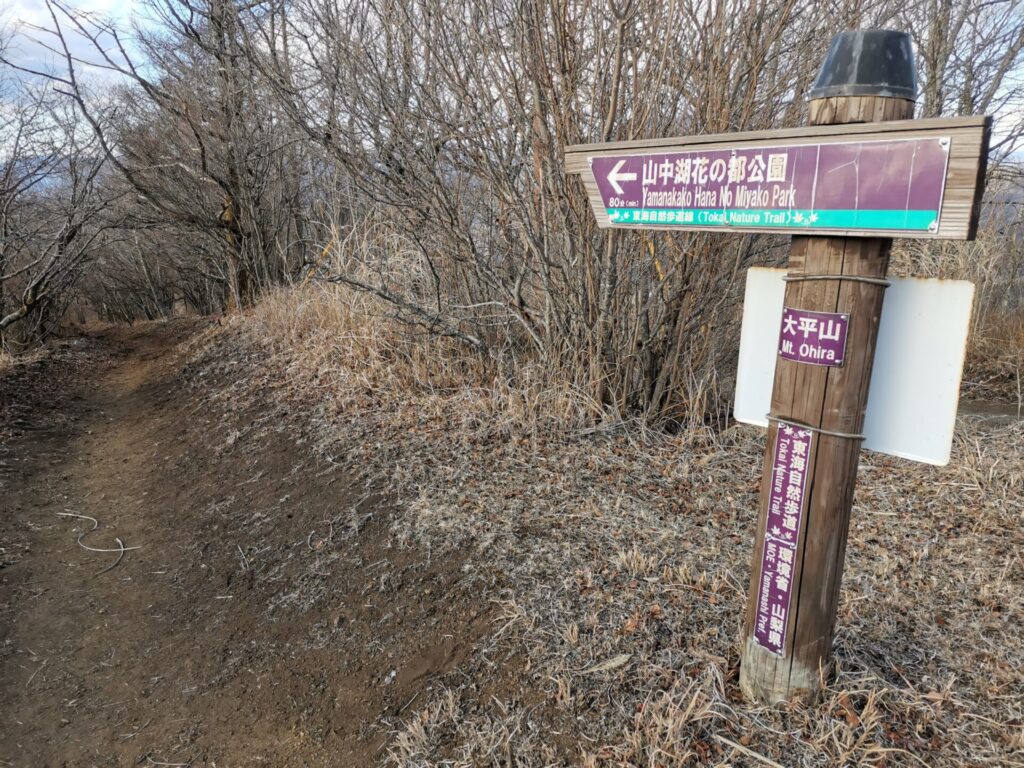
913 178
782 528
890 186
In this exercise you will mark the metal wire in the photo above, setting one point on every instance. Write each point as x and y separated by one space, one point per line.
819 430
852 278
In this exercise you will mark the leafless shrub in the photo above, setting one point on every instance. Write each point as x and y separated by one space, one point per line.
52 209
413 150
453 119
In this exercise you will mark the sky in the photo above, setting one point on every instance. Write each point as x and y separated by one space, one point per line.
19 15
15 14
34 11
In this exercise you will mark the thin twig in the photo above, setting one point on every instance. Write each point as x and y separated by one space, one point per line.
245 560
27 682
409 703
748 752
169 765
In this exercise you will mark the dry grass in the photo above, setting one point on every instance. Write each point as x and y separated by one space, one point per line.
9 360
995 359
610 548
620 562
350 344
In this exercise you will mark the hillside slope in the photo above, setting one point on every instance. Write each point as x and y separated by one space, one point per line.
334 570
260 609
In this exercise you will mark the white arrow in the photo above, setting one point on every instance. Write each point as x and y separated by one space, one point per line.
614 177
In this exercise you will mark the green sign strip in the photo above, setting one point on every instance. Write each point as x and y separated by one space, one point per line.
920 221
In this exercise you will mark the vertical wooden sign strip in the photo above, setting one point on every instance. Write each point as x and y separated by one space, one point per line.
829 399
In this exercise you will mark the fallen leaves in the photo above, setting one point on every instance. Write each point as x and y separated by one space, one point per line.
847 710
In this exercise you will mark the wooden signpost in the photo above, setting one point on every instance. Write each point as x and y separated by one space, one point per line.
861 173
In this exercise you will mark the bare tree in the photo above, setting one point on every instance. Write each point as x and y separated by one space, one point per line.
52 208
413 149
452 118
191 133
970 54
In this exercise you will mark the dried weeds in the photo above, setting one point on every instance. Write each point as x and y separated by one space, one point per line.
622 562
995 361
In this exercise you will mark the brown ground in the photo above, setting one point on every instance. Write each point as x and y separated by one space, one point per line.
261 617
539 599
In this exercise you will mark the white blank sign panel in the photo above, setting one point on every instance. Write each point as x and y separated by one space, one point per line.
915 382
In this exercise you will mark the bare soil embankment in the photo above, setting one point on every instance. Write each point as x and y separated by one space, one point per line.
260 615
336 568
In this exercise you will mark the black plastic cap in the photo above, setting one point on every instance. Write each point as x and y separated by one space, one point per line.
868 62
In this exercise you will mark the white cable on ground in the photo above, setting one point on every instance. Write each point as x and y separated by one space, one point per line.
95 525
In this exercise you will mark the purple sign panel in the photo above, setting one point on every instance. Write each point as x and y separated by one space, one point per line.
891 186
782 526
818 338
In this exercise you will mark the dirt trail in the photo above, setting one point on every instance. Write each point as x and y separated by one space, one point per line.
265 618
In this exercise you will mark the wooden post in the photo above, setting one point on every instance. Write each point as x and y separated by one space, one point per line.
831 399
845 184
